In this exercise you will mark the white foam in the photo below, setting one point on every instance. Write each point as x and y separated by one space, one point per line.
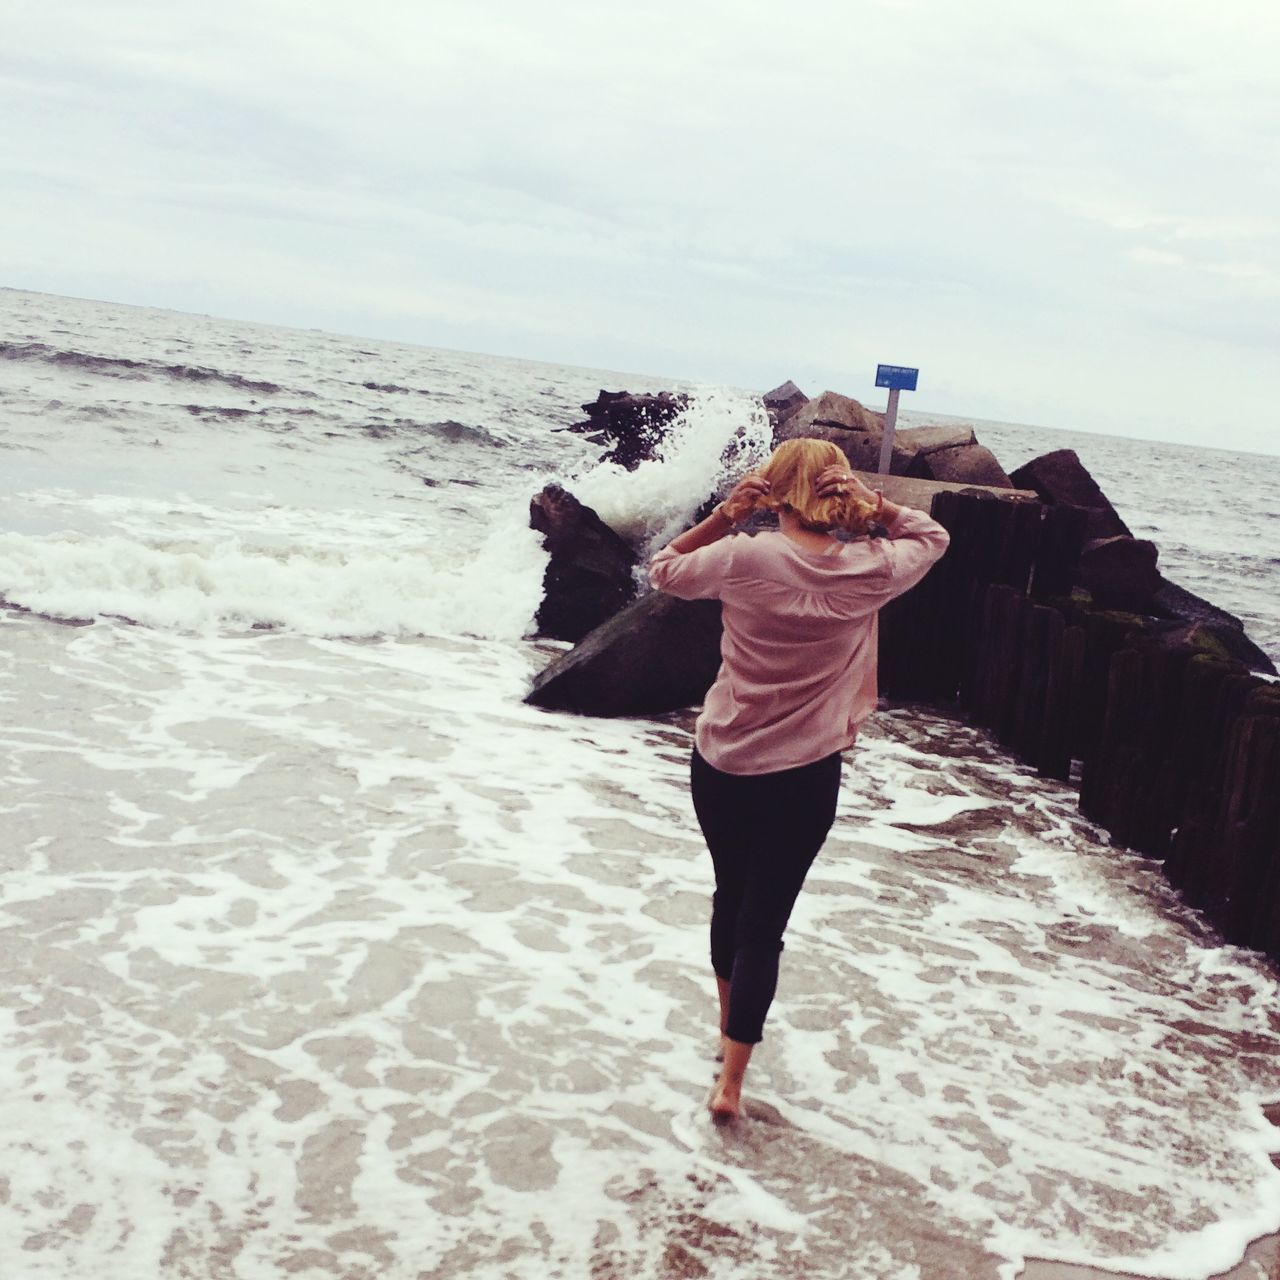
365 590
457 927
719 437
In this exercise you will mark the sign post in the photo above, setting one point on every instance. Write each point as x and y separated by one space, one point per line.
896 377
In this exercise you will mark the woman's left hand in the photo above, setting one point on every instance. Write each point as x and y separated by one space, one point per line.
836 481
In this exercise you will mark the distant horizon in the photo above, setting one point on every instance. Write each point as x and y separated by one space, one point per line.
906 409
1057 215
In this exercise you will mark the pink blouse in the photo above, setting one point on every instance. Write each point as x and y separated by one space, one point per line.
798 656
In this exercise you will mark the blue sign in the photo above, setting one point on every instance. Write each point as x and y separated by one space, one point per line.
897 377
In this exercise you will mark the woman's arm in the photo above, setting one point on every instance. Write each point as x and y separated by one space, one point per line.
740 503
692 566
703 534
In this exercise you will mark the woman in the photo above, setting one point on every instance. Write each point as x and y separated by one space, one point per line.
797 678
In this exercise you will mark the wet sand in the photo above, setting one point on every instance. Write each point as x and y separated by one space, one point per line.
1260 1262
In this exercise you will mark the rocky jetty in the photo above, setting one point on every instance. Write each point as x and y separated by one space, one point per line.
1047 624
654 654
1120 572
949 454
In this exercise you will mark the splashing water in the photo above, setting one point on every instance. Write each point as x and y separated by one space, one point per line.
720 435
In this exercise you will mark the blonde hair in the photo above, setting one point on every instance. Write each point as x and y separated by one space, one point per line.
792 472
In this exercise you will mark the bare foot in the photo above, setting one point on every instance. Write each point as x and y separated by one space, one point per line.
725 1103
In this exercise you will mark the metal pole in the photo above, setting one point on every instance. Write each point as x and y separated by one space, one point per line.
890 422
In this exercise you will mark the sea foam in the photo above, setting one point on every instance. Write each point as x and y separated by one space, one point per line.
321 591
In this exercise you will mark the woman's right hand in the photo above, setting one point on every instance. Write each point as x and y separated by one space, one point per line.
744 497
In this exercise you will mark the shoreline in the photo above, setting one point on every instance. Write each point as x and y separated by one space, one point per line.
1261 1261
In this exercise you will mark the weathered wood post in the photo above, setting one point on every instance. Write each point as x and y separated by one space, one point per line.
1196 851
1249 834
1061 700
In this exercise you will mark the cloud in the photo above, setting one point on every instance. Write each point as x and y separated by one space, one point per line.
728 189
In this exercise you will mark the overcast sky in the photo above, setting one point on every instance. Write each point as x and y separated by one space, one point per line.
1065 214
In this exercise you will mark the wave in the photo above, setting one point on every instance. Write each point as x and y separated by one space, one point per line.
210 586
719 436
133 370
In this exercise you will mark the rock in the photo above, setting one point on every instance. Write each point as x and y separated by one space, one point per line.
830 409
841 420
1209 639
913 442
960 464
658 654
1180 605
1120 573
1061 478
629 426
910 443
589 577
783 401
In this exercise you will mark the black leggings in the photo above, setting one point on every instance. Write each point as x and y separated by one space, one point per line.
764 831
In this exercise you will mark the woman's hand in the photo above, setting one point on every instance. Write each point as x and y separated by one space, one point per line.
744 497
837 481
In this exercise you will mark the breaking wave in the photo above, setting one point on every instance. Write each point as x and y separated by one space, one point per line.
720 435
205 586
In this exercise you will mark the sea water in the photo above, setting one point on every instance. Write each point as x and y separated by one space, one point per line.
325 956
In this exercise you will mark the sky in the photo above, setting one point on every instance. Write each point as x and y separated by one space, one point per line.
1065 214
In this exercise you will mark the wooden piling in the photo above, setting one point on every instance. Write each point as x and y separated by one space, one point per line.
1178 752
1061 701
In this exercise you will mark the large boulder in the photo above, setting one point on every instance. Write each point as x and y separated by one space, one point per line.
783 401
1210 639
629 426
1060 478
960 464
841 419
590 574
914 442
831 409
863 448
657 655
1120 573
1180 605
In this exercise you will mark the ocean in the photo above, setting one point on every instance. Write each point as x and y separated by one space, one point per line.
325 956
